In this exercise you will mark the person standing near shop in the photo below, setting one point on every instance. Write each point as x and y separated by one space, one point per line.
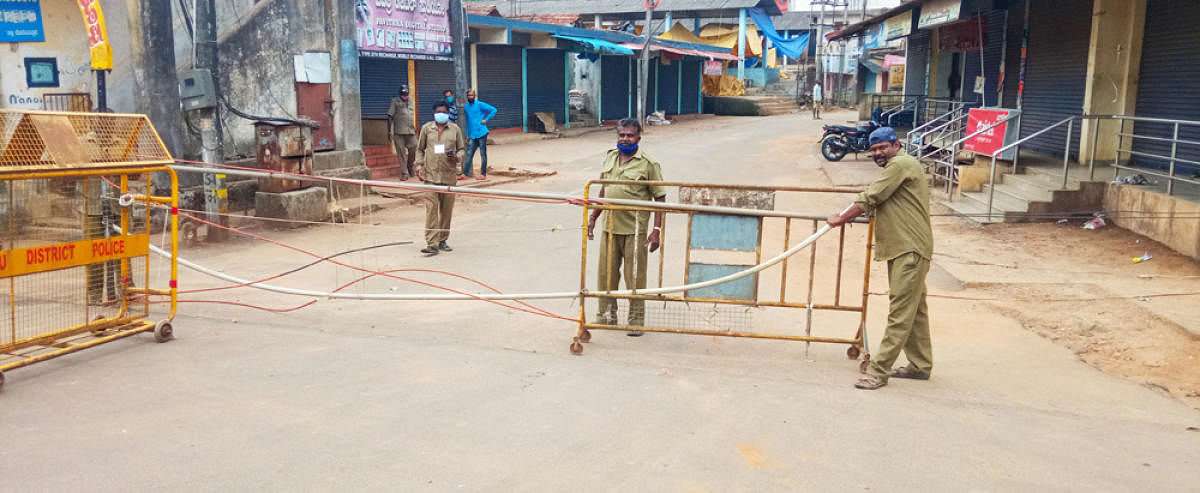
404 138
818 96
899 200
440 147
451 105
624 239
477 114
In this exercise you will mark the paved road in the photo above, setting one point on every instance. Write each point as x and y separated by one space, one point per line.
465 396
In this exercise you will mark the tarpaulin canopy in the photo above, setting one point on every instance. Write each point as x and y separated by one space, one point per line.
680 33
793 47
727 37
597 44
715 55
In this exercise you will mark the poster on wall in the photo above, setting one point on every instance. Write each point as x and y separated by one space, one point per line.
21 21
413 29
896 76
713 67
968 35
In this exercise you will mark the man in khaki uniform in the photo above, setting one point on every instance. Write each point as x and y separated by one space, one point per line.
899 199
440 147
626 236
400 128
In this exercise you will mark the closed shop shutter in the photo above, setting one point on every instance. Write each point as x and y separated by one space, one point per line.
916 63
668 87
614 90
547 78
1056 72
1012 56
691 87
433 78
379 81
1169 85
992 53
499 71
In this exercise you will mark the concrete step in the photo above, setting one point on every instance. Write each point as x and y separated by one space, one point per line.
973 211
1051 177
1000 202
1021 194
376 150
383 172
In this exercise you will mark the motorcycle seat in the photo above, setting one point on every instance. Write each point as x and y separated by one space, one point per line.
843 128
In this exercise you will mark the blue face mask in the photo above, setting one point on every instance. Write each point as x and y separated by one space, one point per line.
450 99
441 117
627 149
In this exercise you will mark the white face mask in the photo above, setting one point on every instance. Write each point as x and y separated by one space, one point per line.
441 117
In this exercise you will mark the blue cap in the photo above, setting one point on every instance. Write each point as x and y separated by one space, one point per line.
883 134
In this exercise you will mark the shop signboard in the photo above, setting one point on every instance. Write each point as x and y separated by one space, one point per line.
990 141
413 29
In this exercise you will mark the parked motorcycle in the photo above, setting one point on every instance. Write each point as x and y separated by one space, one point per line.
839 140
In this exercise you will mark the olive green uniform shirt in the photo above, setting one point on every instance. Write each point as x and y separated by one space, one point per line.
437 168
899 200
642 168
401 116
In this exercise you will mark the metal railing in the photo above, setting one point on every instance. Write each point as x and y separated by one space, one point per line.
1122 136
893 107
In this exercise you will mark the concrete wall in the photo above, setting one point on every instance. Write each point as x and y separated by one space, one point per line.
586 75
1159 222
1114 63
66 40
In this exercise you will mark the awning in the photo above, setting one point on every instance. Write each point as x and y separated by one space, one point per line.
598 44
714 55
871 65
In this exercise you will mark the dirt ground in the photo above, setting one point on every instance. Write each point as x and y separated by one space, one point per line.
1081 289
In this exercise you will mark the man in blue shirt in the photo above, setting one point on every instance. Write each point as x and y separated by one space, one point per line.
477 114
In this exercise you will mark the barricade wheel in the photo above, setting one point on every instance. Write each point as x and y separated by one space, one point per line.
853 352
586 336
576 347
163 331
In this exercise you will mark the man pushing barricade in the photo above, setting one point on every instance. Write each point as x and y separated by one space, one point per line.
899 200
440 147
626 235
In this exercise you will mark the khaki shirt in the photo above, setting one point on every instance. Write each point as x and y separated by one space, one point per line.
400 114
899 200
641 167
437 169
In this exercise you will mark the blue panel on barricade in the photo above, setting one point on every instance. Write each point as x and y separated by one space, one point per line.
714 232
739 289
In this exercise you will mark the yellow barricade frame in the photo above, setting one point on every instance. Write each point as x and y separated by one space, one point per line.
67 147
857 343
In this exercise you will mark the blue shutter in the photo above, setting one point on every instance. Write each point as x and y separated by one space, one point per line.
668 87
499 71
614 92
546 75
1055 72
379 81
691 86
1169 84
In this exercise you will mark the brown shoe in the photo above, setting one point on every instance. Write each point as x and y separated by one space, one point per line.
904 372
869 383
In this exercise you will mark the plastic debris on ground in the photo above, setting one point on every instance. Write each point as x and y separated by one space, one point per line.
1095 222
1145 256
1062 221
657 118
1131 180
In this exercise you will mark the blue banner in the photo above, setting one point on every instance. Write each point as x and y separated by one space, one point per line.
790 47
21 21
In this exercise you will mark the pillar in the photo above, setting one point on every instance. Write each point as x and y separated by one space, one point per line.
696 26
1114 64
741 72
599 26
667 23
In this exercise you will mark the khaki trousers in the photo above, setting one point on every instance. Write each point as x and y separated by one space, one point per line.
439 207
406 151
628 251
908 319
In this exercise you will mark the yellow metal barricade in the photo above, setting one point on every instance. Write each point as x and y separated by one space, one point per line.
77 211
716 231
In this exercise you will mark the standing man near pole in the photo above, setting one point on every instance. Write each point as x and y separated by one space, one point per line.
624 239
404 138
477 114
899 200
440 147
818 97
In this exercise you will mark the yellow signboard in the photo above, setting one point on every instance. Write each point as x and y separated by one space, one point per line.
898 26
97 32
896 76
45 258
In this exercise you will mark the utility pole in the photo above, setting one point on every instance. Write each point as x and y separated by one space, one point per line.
644 66
820 49
458 35
216 203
